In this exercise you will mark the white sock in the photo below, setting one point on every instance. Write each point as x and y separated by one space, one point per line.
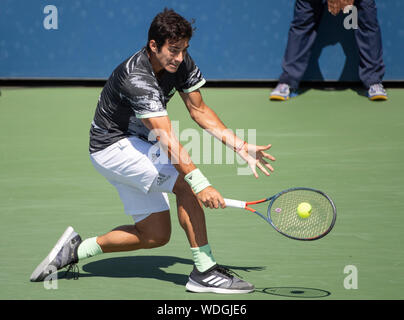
89 248
203 258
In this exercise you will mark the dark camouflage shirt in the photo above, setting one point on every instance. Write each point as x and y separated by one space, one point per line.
133 92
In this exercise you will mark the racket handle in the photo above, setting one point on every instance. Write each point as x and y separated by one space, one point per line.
235 203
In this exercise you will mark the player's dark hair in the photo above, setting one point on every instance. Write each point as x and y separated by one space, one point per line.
169 25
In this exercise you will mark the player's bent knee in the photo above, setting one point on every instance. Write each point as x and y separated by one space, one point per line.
155 230
159 240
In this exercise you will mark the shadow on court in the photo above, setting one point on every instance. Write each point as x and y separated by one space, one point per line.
295 292
143 267
358 89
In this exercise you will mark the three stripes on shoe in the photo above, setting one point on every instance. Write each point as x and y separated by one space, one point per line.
214 280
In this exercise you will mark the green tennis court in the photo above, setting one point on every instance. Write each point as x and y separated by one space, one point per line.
335 141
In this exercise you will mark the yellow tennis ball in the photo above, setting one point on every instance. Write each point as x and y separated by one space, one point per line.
304 210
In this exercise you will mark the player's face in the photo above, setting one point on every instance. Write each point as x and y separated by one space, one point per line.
171 54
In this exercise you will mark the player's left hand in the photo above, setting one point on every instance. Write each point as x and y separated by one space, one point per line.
255 156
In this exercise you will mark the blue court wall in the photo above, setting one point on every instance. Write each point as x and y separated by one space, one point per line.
234 39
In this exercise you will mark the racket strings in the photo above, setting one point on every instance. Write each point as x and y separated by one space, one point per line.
283 213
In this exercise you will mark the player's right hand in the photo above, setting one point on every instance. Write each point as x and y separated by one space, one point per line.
211 198
255 156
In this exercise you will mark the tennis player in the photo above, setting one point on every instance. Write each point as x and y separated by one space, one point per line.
130 120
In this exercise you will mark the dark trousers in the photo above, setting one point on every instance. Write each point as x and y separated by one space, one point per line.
303 33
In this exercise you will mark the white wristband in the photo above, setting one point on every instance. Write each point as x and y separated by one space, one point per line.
197 180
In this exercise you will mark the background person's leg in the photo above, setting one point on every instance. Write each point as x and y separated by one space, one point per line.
369 40
301 37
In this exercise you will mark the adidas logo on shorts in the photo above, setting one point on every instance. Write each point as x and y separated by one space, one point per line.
162 178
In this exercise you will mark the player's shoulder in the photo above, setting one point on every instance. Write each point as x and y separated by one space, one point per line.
188 69
188 63
137 71
139 62
137 65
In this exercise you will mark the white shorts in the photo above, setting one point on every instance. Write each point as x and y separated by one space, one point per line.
140 173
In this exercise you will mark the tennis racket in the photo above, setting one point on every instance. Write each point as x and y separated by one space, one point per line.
282 213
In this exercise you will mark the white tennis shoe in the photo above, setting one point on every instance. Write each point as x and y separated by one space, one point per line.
217 279
63 254
282 92
377 92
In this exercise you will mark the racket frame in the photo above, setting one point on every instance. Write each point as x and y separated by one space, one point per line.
268 219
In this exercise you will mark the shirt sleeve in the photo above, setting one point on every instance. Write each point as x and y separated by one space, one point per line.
144 96
189 76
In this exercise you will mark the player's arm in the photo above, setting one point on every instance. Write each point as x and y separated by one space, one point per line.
208 120
161 128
